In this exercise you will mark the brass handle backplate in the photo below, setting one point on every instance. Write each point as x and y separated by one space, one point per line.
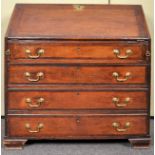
116 101
39 76
117 53
39 101
39 52
38 128
117 126
116 76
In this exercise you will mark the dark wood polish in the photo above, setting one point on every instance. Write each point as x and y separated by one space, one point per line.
76 50
142 142
75 73
118 22
76 125
14 143
77 100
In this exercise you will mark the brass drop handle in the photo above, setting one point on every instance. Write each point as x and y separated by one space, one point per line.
39 52
116 76
38 128
38 102
116 101
117 53
39 76
117 125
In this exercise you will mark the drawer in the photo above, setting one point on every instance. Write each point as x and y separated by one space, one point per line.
82 125
23 100
77 74
116 51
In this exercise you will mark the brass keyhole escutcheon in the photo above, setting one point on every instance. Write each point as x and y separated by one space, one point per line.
77 119
78 50
78 7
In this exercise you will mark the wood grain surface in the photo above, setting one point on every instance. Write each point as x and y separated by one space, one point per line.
76 126
77 74
65 22
76 100
68 91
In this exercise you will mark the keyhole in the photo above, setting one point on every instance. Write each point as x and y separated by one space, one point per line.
78 120
78 68
78 49
78 93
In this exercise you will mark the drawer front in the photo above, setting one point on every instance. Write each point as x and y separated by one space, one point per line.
22 100
76 126
77 74
73 50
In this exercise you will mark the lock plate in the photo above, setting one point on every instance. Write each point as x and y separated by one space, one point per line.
78 7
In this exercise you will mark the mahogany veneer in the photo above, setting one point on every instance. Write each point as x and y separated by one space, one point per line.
77 72
72 49
75 126
82 100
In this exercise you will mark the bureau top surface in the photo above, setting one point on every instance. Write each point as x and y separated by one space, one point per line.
99 22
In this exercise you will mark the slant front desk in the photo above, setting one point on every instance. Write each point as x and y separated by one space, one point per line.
77 72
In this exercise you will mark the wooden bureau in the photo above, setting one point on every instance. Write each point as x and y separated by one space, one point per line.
77 72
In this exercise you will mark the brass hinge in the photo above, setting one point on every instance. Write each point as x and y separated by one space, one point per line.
7 52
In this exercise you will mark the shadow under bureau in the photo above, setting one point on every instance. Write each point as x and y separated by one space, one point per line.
77 72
